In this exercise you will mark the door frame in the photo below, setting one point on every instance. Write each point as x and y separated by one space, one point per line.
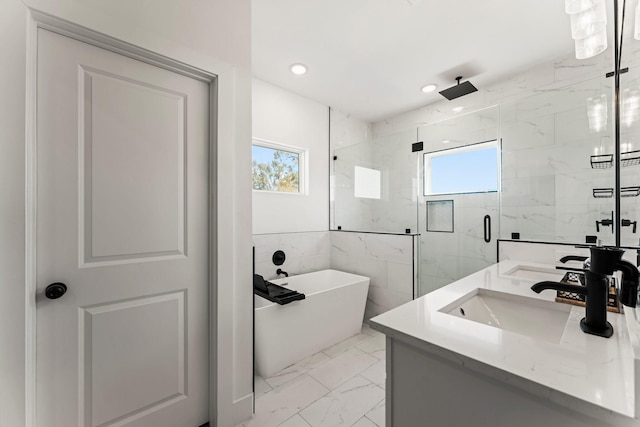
220 344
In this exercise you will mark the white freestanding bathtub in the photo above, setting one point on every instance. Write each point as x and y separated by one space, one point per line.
333 310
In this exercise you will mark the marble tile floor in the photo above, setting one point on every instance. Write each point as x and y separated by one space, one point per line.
343 385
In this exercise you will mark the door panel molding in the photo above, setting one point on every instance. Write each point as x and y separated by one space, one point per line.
104 236
142 330
40 20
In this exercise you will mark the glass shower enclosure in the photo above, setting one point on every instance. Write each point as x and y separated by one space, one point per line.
383 186
457 203
534 168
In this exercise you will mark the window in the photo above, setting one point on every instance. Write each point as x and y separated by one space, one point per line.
278 168
469 169
366 183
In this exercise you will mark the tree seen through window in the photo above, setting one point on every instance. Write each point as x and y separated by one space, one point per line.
275 170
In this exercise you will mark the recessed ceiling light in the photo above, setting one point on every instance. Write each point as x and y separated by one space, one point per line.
457 109
429 88
445 141
298 69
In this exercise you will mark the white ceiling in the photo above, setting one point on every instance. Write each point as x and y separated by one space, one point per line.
369 58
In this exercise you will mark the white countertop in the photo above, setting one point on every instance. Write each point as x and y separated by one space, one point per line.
590 374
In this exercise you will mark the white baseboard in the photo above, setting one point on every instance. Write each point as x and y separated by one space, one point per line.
243 409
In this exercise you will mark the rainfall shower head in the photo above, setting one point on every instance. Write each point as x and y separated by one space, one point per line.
458 90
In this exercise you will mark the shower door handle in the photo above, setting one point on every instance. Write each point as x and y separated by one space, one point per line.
487 228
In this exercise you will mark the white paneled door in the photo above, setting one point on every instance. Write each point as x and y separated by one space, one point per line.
122 221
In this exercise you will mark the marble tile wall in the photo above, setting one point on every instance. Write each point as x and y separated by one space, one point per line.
630 175
547 179
395 212
354 213
466 129
346 131
447 257
546 253
385 258
305 252
388 260
536 252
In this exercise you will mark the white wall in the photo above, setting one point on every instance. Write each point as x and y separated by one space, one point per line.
214 36
286 118
12 123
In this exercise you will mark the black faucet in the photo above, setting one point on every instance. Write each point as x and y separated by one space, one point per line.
629 223
604 261
281 271
566 258
606 223
585 261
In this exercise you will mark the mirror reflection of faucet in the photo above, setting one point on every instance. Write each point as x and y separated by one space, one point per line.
629 223
586 262
604 262
605 223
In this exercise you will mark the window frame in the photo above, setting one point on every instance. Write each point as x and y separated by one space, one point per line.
303 165
426 166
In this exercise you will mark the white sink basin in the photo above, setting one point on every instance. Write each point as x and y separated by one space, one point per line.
535 273
527 316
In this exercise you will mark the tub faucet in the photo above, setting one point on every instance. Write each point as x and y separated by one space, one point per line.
281 271
604 261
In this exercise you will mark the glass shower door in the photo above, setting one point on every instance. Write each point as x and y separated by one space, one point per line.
458 198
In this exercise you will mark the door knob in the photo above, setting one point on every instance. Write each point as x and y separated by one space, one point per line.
55 290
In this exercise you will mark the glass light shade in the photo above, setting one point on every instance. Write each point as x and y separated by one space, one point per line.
589 22
597 113
630 107
577 6
591 45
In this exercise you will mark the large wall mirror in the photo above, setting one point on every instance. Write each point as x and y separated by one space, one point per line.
630 158
557 174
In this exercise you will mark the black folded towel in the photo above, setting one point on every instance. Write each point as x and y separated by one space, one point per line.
273 292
